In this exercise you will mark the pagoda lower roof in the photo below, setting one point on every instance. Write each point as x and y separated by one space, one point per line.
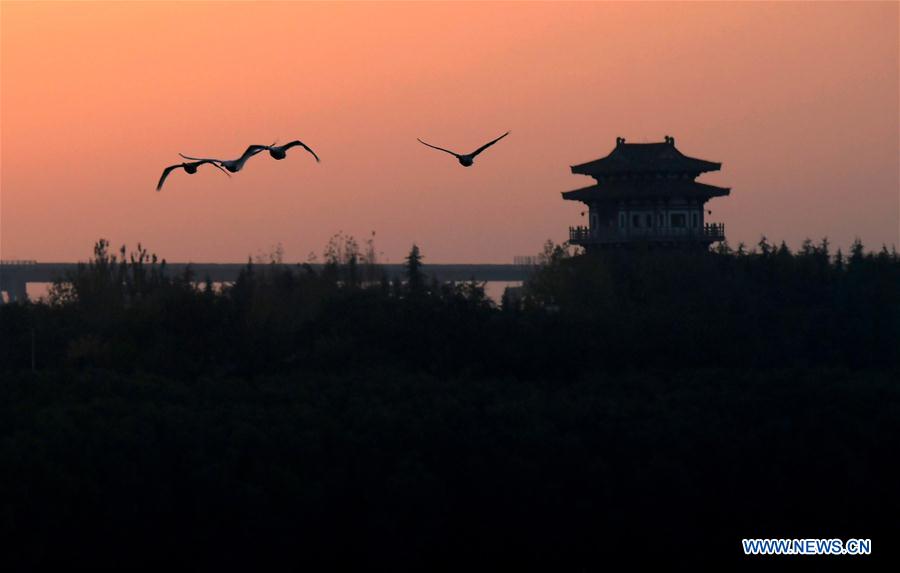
646 189
645 158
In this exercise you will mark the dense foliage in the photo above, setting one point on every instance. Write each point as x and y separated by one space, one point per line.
620 405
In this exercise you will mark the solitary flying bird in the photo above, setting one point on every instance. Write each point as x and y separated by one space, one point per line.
190 168
280 151
233 165
468 159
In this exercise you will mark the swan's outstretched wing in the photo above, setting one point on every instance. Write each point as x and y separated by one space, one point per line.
296 142
165 174
251 151
438 148
214 164
488 144
200 158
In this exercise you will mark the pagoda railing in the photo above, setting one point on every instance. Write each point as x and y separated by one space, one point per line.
708 232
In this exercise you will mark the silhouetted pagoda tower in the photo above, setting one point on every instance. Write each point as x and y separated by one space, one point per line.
646 193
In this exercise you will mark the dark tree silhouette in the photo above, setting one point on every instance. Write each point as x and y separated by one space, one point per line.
415 279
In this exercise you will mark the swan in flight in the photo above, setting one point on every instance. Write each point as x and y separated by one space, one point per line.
233 165
280 151
190 168
468 159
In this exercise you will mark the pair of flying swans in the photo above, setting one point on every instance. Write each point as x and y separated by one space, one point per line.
233 165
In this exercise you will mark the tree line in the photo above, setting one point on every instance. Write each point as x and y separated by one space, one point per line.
764 307
634 405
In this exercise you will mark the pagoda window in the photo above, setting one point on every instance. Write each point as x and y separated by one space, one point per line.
694 220
636 221
621 220
649 220
678 220
659 220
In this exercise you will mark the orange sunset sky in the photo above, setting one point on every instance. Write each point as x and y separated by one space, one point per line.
798 101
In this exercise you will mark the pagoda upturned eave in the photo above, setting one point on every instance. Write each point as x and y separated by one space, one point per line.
650 189
643 158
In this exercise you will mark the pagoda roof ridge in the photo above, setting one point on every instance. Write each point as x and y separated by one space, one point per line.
654 157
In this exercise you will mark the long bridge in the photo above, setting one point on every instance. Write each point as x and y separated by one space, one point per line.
15 275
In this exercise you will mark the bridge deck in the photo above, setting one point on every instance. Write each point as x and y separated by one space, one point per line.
14 276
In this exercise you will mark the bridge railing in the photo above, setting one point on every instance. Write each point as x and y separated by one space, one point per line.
17 262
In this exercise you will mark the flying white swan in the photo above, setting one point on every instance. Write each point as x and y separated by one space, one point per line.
467 159
280 151
190 168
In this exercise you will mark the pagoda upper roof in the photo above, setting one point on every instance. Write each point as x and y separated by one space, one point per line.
649 188
628 158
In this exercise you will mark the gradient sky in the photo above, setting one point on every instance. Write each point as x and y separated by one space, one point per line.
798 101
